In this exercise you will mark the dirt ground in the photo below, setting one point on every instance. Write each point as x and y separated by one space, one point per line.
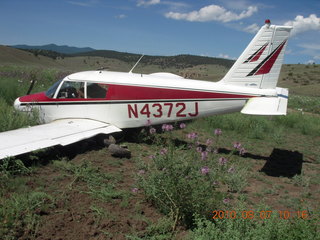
78 215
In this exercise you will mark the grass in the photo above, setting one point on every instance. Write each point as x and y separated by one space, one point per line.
20 208
100 185
305 103
273 228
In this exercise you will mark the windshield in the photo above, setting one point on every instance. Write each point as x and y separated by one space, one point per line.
51 91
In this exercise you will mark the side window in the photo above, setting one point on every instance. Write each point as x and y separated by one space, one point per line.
96 90
71 89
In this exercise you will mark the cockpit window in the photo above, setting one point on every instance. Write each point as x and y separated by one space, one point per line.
51 91
96 90
71 89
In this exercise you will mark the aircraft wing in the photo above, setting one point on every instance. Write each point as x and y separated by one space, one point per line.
59 132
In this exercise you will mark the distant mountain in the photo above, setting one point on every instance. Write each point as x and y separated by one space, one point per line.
56 48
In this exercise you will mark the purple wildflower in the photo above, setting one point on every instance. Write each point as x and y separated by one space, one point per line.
215 183
192 135
217 132
226 201
231 170
152 157
199 149
134 190
223 161
237 145
163 151
205 170
183 125
242 151
167 127
152 130
204 155
209 142
148 122
141 172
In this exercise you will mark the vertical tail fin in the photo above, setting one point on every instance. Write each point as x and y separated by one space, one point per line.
260 64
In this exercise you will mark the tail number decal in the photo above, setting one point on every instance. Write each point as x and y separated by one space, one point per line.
168 110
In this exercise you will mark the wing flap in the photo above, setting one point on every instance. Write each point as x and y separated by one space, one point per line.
60 132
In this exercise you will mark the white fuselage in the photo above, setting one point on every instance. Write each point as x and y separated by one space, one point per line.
134 100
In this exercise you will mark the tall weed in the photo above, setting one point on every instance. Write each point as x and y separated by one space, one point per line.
11 119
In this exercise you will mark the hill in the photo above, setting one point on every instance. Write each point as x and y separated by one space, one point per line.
180 61
12 56
56 48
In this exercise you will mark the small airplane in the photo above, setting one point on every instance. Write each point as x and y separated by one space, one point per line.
85 104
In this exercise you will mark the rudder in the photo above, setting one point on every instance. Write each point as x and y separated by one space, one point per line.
260 64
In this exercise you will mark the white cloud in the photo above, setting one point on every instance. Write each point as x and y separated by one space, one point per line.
121 16
212 13
176 5
253 28
147 2
86 3
312 46
221 55
226 56
310 61
301 24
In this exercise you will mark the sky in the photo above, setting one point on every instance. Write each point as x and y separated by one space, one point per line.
214 28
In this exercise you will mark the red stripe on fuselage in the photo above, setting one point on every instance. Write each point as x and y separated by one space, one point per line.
124 92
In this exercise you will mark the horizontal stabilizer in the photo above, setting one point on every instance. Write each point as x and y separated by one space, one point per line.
60 132
268 105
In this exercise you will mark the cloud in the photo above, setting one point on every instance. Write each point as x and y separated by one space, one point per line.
221 55
312 46
226 56
147 3
253 28
86 3
212 13
121 16
176 5
311 61
301 24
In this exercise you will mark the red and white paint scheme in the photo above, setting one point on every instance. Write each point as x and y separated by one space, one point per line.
117 100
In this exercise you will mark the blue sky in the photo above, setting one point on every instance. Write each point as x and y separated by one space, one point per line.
215 28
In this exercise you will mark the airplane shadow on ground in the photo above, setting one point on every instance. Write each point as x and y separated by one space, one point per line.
281 162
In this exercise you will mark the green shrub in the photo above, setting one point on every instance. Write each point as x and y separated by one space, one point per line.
253 229
179 184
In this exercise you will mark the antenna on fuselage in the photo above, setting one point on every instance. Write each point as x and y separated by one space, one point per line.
136 64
